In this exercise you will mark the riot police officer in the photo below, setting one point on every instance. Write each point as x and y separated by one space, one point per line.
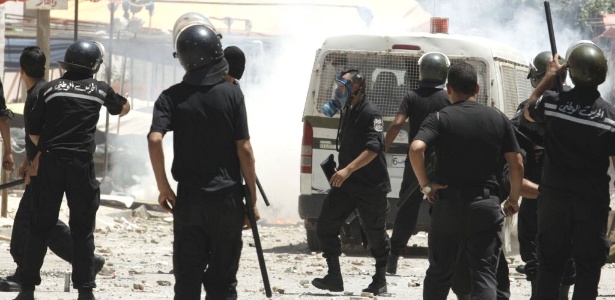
416 105
32 63
574 192
470 140
531 140
62 125
212 153
361 182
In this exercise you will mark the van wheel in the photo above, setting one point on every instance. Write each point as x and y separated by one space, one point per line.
310 231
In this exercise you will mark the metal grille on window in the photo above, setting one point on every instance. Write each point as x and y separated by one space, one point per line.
524 87
389 76
509 87
483 78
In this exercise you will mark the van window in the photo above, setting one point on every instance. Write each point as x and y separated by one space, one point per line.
389 76
515 85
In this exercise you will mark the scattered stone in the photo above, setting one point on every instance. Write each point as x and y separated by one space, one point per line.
278 290
141 212
414 283
138 286
104 250
163 282
366 294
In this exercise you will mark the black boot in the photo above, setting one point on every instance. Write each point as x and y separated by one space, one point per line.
520 269
27 293
99 262
333 280
379 280
392 264
563 292
86 294
16 276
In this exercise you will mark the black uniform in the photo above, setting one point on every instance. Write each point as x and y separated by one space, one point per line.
417 105
365 189
574 194
207 121
60 241
532 144
470 140
64 117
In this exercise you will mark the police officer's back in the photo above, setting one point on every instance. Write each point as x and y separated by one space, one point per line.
212 154
62 124
574 194
470 139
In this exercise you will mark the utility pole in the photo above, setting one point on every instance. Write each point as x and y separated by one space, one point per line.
76 37
43 31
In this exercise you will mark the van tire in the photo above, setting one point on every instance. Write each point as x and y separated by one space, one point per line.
310 232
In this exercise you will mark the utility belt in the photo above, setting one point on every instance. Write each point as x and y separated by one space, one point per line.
468 194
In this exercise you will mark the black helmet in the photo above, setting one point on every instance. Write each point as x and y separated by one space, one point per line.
538 68
83 57
433 67
197 46
586 64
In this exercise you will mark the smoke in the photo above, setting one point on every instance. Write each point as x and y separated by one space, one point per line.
275 83
518 25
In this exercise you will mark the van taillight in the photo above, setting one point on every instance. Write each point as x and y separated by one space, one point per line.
306 148
406 47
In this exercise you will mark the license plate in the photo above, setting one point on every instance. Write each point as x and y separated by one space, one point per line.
396 161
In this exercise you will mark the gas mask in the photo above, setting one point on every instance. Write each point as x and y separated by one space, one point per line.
342 92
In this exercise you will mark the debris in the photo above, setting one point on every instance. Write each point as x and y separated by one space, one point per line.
414 283
137 286
278 290
141 212
366 294
163 282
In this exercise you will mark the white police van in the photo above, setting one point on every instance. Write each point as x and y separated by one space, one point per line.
389 64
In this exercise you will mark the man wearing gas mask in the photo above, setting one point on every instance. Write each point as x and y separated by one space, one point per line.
361 181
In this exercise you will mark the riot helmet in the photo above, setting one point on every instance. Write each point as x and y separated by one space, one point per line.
433 68
83 57
587 64
538 68
197 46
189 19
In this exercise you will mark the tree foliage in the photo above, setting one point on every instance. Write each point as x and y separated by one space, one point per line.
579 14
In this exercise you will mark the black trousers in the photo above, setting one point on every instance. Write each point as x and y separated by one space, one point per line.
60 241
207 243
462 280
407 215
528 229
71 173
464 223
338 205
572 222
